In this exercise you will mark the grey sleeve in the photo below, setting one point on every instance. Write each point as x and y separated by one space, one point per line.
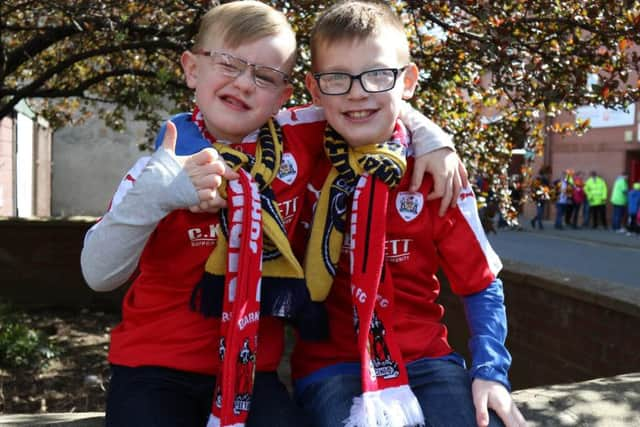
113 246
426 136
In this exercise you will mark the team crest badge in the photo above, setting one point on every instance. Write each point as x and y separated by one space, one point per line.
288 169
409 205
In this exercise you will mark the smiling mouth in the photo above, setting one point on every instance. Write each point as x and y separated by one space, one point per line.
360 114
234 102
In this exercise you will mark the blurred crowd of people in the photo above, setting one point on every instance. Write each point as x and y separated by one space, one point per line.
582 202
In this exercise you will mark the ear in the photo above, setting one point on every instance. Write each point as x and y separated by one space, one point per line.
410 80
284 97
190 68
314 90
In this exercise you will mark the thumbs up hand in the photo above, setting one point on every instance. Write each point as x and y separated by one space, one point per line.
204 168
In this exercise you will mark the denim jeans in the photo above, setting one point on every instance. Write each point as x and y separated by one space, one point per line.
585 214
560 208
539 214
442 387
159 397
618 214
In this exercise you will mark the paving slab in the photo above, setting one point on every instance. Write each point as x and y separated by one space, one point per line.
603 402
70 419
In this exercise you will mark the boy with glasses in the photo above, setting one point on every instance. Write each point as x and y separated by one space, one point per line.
188 344
375 248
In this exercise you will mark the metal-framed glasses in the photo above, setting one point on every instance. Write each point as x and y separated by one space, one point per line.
230 66
372 81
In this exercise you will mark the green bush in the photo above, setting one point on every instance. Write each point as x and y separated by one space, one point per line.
20 345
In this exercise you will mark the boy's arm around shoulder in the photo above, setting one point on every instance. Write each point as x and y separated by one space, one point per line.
435 154
112 247
425 134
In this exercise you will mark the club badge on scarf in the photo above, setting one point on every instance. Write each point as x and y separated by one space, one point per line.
366 173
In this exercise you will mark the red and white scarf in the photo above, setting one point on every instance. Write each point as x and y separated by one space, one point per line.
366 173
241 307
251 271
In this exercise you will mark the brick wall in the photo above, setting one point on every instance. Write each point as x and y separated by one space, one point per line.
561 329
40 264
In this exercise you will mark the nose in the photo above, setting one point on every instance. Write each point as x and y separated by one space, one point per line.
245 80
356 91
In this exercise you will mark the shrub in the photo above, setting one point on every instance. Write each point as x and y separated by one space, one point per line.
22 346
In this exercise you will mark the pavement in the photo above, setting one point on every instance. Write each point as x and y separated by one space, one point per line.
603 402
586 234
584 254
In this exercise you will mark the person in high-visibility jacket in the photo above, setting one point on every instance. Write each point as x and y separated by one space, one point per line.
596 190
619 202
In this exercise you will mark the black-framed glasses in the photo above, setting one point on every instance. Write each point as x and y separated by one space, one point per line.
372 81
230 66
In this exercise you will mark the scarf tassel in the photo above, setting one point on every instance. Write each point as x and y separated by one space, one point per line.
286 298
389 407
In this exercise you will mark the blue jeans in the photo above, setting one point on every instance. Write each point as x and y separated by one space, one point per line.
560 208
159 397
618 214
442 387
585 213
539 214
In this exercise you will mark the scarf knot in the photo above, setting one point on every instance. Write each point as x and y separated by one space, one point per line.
385 161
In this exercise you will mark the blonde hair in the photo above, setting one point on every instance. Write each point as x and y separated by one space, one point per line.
356 20
240 22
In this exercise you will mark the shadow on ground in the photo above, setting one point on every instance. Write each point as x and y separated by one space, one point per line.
603 402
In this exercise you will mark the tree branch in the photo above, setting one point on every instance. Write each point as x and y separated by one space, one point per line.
34 46
60 67
79 90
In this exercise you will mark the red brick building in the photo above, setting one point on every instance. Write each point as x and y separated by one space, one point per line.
25 164
610 147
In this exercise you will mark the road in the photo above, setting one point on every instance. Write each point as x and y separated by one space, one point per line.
597 254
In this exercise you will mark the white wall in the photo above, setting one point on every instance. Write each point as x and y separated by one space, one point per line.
88 163
24 166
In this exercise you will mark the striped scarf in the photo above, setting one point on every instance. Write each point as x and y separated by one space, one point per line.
252 271
364 175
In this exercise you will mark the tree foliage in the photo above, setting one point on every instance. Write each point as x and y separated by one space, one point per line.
494 73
